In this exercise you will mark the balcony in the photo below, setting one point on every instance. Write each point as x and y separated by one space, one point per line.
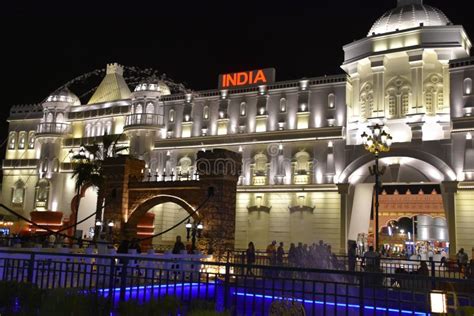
52 129
143 121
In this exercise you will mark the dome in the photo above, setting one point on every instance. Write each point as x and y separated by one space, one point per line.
158 86
407 15
64 95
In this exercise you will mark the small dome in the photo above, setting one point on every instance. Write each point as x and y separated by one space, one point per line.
158 86
409 15
64 95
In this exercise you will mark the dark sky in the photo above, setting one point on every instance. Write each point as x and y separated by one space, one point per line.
46 45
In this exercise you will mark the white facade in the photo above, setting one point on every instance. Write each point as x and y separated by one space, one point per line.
300 139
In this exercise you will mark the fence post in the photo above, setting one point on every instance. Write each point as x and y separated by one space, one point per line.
31 270
433 274
112 278
226 285
123 279
361 294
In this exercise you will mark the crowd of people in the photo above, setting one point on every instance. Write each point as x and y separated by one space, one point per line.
317 256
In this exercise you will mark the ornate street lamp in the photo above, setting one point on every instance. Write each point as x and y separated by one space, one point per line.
376 142
193 229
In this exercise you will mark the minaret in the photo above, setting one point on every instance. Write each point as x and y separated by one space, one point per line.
402 3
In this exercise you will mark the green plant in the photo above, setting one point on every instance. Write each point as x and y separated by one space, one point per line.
73 302
169 305
464 311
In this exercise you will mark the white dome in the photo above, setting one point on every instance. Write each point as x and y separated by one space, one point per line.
64 95
409 16
159 86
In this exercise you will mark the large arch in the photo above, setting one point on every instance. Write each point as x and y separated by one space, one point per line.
440 165
147 205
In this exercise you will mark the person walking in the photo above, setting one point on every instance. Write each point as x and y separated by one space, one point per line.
462 259
250 257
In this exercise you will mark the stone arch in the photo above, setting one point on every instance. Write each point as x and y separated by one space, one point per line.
147 205
440 165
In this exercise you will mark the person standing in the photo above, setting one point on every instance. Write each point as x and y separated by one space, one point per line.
178 246
352 256
371 260
292 255
250 257
280 254
271 253
462 260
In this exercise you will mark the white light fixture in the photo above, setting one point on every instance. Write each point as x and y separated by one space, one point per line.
98 223
189 225
240 149
221 114
280 146
111 223
438 302
262 110
200 226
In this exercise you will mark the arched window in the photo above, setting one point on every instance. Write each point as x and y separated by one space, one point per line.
405 103
429 101
98 129
49 117
392 105
88 130
205 112
44 166
22 140
302 162
467 86
243 109
283 105
185 165
331 100
108 127
55 165
171 115
138 109
42 194
18 192
12 140
150 108
440 102
31 140
59 118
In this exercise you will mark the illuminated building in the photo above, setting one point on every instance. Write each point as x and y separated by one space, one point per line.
305 175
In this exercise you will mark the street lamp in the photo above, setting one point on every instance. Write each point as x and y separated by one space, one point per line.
193 229
376 142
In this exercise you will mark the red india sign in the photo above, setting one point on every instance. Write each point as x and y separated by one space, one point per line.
247 78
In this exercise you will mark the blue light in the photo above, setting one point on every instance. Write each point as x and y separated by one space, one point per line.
159 286
393 310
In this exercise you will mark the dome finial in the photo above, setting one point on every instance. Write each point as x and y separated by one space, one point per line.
402 3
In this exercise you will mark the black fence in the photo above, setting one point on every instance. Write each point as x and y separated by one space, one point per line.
241 289
447 269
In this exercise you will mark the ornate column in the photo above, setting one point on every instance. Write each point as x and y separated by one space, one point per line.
343 190
378 69
449 189
416 68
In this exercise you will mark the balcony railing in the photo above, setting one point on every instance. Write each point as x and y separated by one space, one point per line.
144 120
53 128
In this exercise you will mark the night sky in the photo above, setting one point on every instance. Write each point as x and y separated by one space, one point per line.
45 45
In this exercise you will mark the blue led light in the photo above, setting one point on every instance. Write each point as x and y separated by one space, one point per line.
158 286
378 308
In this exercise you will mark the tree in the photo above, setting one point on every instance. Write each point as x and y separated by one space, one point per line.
88 170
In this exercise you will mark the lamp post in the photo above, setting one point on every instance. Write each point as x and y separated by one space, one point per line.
376 142
193 229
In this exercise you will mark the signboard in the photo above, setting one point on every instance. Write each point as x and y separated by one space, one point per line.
247 78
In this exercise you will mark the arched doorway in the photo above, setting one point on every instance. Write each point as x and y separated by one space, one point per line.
411 186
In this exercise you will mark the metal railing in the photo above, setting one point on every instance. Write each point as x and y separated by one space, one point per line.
447 269
53 128
242 289
144 119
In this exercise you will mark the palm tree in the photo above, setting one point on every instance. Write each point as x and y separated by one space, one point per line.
88 170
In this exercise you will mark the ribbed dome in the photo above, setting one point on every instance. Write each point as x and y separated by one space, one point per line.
407 16
64 95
